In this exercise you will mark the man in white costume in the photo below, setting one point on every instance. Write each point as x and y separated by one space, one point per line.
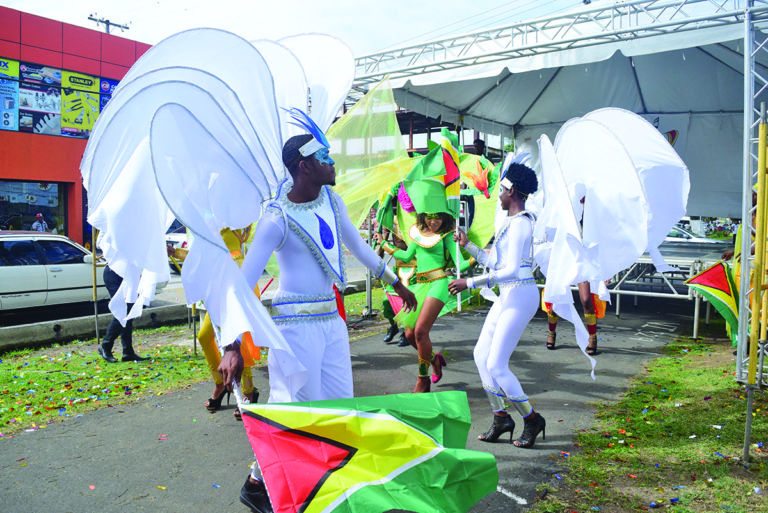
305 226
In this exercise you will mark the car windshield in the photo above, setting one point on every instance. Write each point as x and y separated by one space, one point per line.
680 233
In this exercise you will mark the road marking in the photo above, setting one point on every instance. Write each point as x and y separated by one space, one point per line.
512 496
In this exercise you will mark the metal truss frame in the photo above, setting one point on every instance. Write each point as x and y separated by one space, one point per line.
750 368
600 25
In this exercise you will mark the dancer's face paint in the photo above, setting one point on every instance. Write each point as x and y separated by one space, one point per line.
324 157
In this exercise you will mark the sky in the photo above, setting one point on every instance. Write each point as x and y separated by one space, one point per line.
367 26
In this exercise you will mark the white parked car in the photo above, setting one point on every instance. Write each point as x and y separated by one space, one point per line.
42 269
678 235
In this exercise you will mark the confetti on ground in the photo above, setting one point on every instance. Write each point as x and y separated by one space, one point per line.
558 477
216 486
161 487
92 487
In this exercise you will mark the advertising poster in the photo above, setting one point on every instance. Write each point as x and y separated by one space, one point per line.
37 74
9 68
9 104
9 94
80 103
79 110
39 109
107 88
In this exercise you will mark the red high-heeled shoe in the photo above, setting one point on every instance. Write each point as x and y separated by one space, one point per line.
438 362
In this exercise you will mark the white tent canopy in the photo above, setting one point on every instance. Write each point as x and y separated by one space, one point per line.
680 64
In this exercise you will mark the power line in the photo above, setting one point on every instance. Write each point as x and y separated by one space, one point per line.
505 13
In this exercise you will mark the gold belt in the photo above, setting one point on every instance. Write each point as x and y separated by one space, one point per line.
428 276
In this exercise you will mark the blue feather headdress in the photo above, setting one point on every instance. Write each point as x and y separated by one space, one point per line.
302 120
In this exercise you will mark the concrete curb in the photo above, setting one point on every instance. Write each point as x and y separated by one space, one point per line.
64 330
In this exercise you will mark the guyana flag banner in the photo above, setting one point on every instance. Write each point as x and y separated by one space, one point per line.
370 454
716 284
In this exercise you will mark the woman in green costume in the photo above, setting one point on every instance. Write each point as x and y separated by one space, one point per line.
433 247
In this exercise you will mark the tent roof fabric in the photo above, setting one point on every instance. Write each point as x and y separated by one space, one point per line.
654 58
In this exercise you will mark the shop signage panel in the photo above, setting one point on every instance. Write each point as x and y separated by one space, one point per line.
39 109
9 68
38 74
9 104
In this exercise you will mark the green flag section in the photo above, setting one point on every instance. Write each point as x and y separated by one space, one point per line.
716 284
433 183
370 454
482 180
449 143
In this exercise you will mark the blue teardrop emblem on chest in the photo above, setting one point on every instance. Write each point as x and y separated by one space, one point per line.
326 235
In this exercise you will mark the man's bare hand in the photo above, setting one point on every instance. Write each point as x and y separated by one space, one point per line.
457 286
460 237
409 299
231 366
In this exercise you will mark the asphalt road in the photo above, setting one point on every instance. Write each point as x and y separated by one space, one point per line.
168 454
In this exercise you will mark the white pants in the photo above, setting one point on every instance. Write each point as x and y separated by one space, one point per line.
322 347
501 332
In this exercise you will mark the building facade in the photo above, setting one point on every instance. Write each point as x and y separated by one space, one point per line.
55 78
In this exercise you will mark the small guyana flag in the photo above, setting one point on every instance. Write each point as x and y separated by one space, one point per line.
717 285
370 454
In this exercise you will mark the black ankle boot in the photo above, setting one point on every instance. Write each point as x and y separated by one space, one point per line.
501 424
393 330
531 430
106 353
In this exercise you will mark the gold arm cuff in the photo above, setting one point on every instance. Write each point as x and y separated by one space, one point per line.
388 248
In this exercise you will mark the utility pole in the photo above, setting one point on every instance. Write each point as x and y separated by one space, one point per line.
107 23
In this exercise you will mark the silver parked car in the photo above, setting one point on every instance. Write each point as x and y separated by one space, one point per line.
42 269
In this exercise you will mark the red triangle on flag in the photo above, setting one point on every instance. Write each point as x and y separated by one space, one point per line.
294 463
452 174
714 278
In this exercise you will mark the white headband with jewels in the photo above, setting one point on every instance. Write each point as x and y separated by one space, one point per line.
302 120
512 158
